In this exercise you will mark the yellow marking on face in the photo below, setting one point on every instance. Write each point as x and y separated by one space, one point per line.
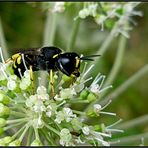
77 62
55 55
19 60
15 56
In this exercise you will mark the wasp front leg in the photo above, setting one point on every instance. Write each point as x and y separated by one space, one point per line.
51 83
31 78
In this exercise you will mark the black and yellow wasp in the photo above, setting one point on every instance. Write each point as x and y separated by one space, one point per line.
49 59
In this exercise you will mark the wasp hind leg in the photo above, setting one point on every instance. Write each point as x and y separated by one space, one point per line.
31 78
52 83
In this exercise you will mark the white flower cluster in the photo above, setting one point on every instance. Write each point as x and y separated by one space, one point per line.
54 117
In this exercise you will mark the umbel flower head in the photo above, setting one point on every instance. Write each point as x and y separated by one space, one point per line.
36 119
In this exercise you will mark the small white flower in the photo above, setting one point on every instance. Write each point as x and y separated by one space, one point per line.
65 137
59 117
97 108
58 98
12 82
31 100
83 13
39 107
25 83
94 88
27 74
86 130
51 109
92 9
67 93
2 77
78 140
68 114
41 90
59 7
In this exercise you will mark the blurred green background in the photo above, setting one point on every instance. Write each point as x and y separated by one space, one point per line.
23 25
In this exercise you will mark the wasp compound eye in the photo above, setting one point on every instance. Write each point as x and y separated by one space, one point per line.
67 64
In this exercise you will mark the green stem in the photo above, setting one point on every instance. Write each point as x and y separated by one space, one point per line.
78 101
36 133
50 29
29 136
129 139
49 36
79 112
134 122
16 120
13 125
24 132
118 60
74 34
50 140
52 129
17 114
119 90
3 42
14 136
105 44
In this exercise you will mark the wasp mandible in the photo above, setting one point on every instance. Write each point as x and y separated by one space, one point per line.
49 59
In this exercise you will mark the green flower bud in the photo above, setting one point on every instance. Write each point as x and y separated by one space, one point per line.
17 142
2 143
36 142
90 113
7 139
4 110
84 94
1 130
76 124
4 99
66 78
97 127
2 122
91 97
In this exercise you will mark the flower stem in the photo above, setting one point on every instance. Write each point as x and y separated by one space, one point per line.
15 113
118 60
12 126
49 36
16 120
78 101
49 139
29 137
119 90
3 42
134 122
79 112
50 29
36 133
24 132
52 129
129 139
14 136
105 45
74 34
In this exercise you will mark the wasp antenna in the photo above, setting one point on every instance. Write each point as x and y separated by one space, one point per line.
89 57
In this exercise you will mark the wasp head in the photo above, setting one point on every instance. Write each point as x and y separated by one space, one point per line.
69 64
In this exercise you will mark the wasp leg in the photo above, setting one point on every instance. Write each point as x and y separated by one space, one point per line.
31 78
52 83
8 61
